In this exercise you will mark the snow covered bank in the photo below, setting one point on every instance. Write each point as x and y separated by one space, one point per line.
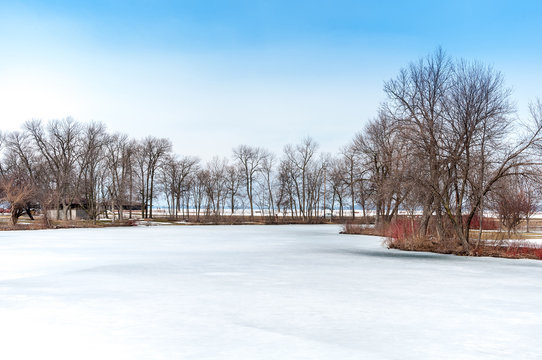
257 292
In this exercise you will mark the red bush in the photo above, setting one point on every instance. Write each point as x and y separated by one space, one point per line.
487 223
401 229
524 249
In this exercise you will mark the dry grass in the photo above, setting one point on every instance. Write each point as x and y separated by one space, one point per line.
403 235
39 223
497 235
509 249
360 229
27 224
425 244
245 220
503 235
492 247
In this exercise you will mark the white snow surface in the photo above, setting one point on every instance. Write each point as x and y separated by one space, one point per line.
257 292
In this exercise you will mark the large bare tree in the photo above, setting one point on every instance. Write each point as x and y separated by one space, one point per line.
58 144
457 120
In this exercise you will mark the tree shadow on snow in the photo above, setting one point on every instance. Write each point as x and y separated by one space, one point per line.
400 254
394 254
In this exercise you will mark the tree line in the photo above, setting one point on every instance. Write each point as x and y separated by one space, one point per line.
446 146
61 164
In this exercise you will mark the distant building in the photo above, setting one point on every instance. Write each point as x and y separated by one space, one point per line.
73 214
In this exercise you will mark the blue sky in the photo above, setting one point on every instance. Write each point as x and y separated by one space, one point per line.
214 74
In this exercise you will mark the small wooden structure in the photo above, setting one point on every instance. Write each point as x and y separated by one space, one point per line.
76 213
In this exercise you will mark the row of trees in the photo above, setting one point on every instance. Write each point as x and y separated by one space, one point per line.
63 164
445 147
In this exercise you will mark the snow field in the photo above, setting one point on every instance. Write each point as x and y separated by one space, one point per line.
257 292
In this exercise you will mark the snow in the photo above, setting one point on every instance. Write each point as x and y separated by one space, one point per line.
257 292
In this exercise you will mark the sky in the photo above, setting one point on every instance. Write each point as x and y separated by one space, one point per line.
211 75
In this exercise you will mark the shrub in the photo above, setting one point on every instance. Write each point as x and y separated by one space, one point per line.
487 223
351 228
360 229
509 249
402 233
402 229
523 249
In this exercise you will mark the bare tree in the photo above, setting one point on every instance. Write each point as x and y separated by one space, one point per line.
119 161
149 154
417 102
187 165
18 194
58 145
90 163
299 159
452 114
338 185
216 184
351 158
234 178
16 185
250 159
511 202
387 164
268 182
200 181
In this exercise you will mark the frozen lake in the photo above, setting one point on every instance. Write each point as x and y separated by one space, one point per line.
257 292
